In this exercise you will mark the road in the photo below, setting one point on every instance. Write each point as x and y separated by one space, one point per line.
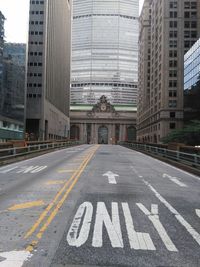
94 205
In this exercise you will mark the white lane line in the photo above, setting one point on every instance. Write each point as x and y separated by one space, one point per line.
154 218
198 212
14 258
137 240
188 227
77 237
111 225
174 180
111 177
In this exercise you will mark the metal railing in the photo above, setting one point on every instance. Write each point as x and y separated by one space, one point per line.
9 153
185 158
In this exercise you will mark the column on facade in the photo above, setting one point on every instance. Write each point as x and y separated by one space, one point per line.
85 133
121 133
113 134
109 134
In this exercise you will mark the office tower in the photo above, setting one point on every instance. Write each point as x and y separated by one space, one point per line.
104 51
192 84
168 28
48 69
2 19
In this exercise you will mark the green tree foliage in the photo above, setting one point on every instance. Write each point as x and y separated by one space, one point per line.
189 135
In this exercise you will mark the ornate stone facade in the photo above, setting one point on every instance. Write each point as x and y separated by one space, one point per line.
103 123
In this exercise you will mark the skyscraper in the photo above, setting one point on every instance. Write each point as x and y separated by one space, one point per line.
168 28
48 69
104 51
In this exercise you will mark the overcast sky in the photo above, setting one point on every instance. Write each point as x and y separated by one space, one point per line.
16 25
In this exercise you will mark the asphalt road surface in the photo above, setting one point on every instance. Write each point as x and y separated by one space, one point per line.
96 205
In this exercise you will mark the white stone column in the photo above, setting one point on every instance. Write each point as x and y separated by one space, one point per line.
109 134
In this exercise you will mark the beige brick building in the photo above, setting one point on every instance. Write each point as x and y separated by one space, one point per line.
168 28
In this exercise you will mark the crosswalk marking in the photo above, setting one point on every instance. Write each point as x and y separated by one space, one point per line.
188 227
137 240
112 226
154 218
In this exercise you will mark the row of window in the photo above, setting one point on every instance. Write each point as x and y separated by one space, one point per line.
104 84
36 12
35 53
37 2
187 5
36 22
34 74
34 95
36 43
34 85
35 64
35 33
187 24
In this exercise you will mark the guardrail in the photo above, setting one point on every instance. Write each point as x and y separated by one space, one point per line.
9 153
185 158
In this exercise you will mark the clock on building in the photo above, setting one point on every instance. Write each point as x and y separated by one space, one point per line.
103 107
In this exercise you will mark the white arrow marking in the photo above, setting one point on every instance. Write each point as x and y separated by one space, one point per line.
175 180
14 258
111 177
198 213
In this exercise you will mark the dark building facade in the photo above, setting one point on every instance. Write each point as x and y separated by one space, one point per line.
192 84
48 69
13 92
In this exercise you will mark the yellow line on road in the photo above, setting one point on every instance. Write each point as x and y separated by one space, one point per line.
26 205
55 182
64 171
60 203
51 205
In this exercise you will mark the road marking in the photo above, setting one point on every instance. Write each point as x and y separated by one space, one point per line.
60 203
198 212
55 182
111 177
154 218
76 237
14 258
8 170
112 226
188 227
73 180
175 180
137 240
26 205
31 169
65 171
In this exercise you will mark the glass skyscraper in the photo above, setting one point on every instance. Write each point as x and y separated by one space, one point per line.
105 51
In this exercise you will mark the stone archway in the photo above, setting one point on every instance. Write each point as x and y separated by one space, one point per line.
74 132
103 135
131 134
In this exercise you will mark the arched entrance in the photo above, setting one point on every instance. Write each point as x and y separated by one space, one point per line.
74 132
103 135
131 134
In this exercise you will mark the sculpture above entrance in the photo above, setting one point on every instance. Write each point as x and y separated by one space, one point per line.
102 106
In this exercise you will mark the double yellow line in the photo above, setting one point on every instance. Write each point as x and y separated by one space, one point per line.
56 203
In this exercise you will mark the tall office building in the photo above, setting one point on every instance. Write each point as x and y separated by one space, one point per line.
48 69
104 51
168 28
2 19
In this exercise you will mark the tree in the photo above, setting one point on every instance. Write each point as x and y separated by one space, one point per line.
189 135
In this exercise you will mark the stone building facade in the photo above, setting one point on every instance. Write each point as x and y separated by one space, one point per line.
102 123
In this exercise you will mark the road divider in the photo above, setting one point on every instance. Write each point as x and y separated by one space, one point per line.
46 216
26 205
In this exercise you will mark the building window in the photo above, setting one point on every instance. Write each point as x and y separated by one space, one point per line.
172 125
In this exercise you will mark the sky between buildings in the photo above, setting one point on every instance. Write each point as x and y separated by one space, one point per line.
16 25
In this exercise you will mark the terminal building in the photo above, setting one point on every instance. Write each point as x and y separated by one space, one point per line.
104 70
